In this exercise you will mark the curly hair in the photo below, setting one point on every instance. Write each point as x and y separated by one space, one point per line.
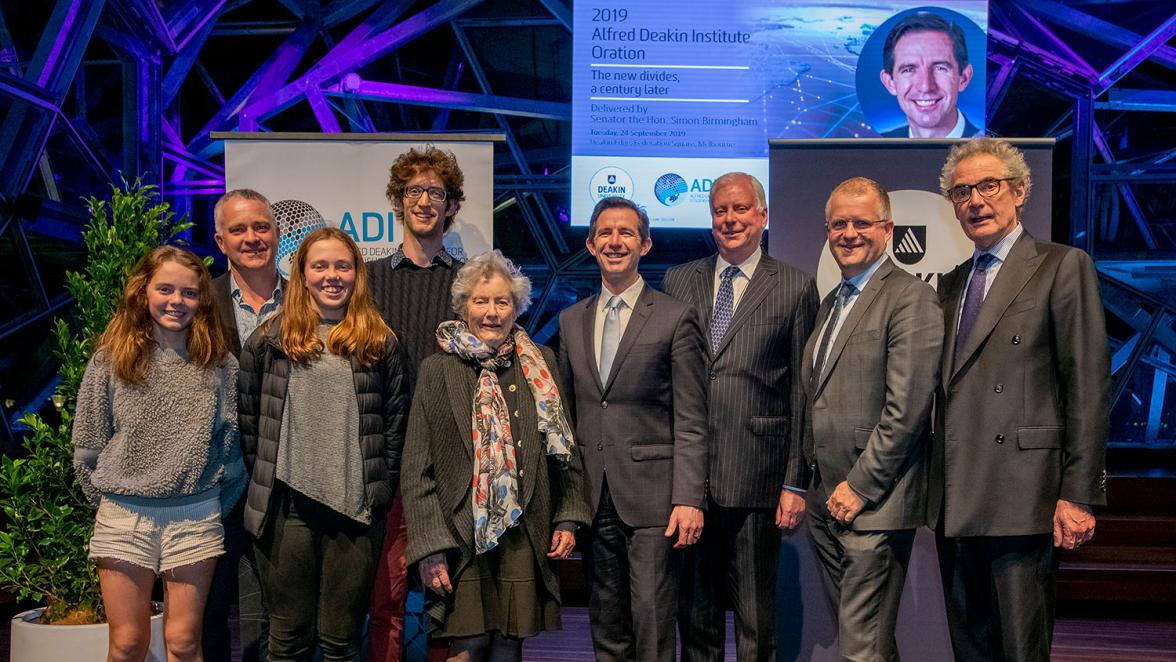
415 161
483 266
129 337
1013 160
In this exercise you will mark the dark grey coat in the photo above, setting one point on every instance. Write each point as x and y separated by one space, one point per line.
438 464
383 413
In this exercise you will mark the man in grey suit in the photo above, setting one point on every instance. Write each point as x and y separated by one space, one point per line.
871 369
633 364
1020 443
757 314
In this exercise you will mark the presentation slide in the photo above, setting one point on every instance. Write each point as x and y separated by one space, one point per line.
669 95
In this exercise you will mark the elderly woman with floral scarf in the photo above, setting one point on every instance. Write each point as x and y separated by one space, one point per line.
492 480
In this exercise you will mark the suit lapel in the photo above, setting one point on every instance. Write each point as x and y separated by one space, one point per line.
810 346
637 321
461 400
703 289
1023 261
587 333
951 309
224 301
860 307
762 282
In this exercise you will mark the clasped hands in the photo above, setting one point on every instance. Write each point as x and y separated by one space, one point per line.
434 568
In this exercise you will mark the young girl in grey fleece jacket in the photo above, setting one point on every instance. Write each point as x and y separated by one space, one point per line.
156 449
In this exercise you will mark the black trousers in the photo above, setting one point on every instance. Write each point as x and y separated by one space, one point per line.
632 590
317 568
736 559
235 580
999 592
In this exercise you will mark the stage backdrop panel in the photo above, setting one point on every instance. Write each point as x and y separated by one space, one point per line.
342 178
928 242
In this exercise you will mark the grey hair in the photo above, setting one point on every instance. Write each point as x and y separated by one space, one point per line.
1010 157
244 194
730 178
860 186
485 265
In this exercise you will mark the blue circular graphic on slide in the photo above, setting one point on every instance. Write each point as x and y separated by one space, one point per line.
669 189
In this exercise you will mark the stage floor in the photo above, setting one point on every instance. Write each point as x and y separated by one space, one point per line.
1076 640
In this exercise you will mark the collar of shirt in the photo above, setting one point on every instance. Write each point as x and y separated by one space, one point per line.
746 267
1000 250
859 281
396 258
273 302
629 296
957 131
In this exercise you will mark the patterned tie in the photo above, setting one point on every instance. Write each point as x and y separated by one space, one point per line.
611 338
724 307
973 301
843 293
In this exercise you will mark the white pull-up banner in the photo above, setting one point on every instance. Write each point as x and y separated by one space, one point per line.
339 180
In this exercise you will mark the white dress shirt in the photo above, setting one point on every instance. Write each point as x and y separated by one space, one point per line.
629 296
859 283
1000 250
739 283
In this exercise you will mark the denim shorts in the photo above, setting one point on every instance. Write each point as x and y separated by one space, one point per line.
158 537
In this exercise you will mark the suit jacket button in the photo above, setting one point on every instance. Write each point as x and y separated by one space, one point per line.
1016 340
713 376
599 447
999 388
604 404
1000 438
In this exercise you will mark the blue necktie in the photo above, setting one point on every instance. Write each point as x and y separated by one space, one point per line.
724 307
843 293
611 338
973 301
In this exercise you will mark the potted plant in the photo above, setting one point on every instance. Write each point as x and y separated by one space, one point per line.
43 550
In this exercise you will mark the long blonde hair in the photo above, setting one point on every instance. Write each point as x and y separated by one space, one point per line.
129 337
361 334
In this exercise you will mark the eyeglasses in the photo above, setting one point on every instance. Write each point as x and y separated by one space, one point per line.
839 225
435 194
985 187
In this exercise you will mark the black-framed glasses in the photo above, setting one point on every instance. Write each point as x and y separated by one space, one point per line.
985 187
839 225
435 194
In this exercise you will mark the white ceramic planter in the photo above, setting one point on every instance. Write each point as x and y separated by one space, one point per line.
34 642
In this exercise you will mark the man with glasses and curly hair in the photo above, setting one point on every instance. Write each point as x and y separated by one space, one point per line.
411 290
1020 442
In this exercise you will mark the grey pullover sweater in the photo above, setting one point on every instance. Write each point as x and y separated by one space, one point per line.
167 441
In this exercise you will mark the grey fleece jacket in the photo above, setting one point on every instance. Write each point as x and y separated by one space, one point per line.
168 440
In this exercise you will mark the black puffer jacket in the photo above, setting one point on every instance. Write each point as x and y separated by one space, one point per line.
382 393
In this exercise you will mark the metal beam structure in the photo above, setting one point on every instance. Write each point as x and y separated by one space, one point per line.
136 87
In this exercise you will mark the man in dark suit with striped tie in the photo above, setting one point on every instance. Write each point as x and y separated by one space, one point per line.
757 314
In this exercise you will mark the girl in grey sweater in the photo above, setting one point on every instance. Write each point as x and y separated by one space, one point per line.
156 449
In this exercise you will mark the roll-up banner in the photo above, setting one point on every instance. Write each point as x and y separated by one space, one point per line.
338 180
